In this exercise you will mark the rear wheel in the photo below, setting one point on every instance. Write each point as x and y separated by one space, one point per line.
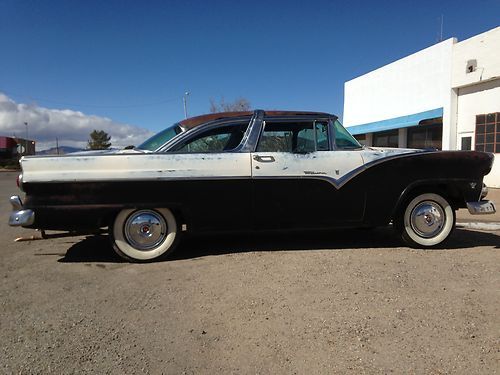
144 235
427 220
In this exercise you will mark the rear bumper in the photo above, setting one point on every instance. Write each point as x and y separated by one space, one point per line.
20 217
481 208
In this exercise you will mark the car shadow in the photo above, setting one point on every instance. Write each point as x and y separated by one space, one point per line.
95 248
98 249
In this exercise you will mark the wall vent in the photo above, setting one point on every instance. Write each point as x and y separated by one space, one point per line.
471 66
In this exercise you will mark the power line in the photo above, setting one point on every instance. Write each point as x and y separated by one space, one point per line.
93 105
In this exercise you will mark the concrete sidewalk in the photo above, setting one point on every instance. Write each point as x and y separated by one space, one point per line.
494 196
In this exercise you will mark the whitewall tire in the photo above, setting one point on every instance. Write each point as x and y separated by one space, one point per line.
143 235
427 220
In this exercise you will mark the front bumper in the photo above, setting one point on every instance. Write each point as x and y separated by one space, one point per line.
483 207
20 217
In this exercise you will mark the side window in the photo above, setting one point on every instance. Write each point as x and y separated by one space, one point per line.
343 139
221 139
276 138
305 140
296 137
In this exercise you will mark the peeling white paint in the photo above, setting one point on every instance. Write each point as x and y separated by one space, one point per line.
324 163
335 166
135 167
374 153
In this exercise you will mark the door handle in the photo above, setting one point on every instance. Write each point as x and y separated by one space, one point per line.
264 159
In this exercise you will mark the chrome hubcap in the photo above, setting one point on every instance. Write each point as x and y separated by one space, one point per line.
427 219
145 229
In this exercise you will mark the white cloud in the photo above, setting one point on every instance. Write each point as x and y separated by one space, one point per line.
72 128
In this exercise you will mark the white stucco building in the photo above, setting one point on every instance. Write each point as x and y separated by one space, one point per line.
446 96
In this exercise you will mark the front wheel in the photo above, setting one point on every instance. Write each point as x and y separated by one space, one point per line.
425 221
144 235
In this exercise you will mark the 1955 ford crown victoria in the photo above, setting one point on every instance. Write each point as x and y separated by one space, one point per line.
261 170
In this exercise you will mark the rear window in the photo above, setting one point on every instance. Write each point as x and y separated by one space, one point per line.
220 139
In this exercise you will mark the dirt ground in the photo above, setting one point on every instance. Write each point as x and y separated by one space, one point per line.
316 303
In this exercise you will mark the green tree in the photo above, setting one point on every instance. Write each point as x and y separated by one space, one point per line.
240 104
99 140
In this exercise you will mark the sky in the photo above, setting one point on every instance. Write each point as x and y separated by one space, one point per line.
67 67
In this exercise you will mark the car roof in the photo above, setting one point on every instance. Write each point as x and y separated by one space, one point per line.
199 120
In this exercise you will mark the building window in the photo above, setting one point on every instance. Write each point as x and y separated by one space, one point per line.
426 136
466 144
361 138
488 132
386 139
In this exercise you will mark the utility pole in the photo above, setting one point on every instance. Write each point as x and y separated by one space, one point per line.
184 101
26 140
440 32
441 35
57 146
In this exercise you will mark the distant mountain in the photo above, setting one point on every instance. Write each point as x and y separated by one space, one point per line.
62 150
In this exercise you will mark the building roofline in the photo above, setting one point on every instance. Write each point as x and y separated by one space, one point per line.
452 40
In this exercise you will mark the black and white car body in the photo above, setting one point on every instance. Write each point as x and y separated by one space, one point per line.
273 170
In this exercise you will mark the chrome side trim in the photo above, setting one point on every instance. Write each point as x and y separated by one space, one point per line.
16 202
200 178
22 218
481 208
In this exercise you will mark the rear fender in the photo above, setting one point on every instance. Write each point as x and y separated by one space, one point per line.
457 192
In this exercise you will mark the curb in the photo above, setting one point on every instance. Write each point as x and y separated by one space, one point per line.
492 226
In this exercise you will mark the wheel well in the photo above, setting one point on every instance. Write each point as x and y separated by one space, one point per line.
448 191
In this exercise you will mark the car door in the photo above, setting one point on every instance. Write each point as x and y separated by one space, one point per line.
212 181
299 181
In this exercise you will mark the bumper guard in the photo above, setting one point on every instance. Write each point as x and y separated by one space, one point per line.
481 208
20 217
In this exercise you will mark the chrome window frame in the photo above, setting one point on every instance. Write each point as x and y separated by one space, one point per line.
297 119
254 131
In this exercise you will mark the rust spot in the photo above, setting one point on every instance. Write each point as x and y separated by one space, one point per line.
198 120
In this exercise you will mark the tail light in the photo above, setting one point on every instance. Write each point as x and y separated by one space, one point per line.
19 181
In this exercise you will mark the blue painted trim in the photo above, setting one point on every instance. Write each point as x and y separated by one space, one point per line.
395 123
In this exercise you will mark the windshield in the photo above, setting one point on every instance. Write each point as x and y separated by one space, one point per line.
344 139
158 140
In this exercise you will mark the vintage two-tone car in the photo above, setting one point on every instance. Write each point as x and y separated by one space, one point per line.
246 171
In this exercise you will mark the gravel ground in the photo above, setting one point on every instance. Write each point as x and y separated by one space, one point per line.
341 302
